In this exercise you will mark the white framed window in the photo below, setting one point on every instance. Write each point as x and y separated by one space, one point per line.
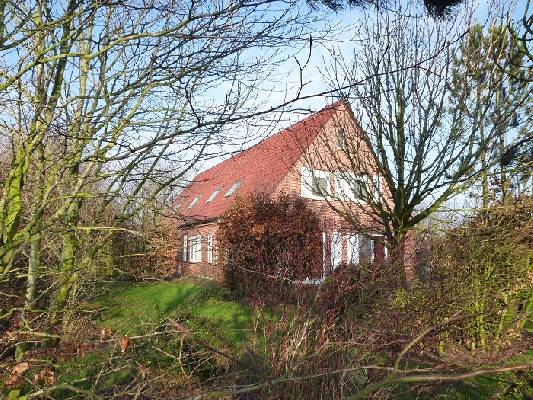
324 252
352 248
315 184
341 139
195 248
366 249
336 249
349 186
377 188
185 248
233 189
210 248
213 195
194 201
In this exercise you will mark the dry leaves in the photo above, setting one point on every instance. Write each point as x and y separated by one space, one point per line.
180 327
45 376
123 342
15 379
105 334
142 371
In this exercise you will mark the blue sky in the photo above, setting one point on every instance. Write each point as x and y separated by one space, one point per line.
282 85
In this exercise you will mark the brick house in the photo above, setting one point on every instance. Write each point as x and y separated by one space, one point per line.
291 162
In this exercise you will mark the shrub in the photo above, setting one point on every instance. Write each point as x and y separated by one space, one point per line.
269 246
481 272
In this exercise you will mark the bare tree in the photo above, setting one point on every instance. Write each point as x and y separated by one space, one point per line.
409 151
97 99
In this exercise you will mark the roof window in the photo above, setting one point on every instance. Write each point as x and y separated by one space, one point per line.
213 195
233 189
194 201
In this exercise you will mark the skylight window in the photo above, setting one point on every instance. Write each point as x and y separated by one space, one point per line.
194 201
233 189
213 195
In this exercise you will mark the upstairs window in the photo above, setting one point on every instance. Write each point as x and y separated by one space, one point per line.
194 201
319 187
233 189
315 184
341 139
213 195
348 186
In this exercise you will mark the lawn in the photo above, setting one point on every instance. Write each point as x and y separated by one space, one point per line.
145 313
202 306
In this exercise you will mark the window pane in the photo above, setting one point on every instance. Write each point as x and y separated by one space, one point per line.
233 189
366 249
195 200
213 195
341 139
320 186
352 248
336 252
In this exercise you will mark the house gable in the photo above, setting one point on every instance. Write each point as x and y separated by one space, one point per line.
260 168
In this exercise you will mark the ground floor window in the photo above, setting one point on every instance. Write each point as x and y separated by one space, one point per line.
210 248
185 248
195 248
352 248
336 249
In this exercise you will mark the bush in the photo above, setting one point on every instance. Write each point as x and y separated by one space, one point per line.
269 247
481 272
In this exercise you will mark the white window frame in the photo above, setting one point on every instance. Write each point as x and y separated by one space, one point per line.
233 189
324 253
210 248
306 183
352 248
377 186
371 237
213 195
344 186
336 250
185 248
194 202
195 249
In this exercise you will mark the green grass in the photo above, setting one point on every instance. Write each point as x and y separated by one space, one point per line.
129 309
204 308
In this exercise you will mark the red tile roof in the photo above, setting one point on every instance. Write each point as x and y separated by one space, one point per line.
258 169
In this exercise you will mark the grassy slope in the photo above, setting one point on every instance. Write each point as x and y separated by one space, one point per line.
203 307
130 309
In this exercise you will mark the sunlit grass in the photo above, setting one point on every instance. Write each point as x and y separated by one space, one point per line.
204 308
